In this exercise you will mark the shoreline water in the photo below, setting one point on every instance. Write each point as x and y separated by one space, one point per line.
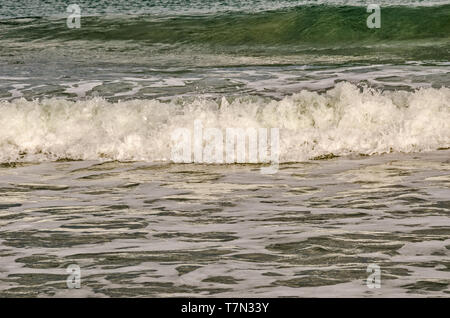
90 205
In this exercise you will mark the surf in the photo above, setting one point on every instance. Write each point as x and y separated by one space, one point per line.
342 121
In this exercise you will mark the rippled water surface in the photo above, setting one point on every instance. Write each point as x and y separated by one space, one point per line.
370 105
139 229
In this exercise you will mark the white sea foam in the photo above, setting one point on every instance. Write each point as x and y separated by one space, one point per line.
345 120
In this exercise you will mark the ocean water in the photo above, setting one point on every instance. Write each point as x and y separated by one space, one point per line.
86 164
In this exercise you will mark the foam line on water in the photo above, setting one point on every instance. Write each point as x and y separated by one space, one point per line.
344 120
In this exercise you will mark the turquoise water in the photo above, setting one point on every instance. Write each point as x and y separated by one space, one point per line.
209 48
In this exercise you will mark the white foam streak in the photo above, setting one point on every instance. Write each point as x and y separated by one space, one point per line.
342 121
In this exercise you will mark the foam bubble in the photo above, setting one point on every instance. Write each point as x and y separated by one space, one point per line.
344 120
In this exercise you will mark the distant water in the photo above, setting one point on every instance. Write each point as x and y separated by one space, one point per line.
158 230
163 49
86 117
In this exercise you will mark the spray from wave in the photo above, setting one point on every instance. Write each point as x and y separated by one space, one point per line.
342 121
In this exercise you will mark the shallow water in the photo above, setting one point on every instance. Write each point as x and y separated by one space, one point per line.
139 229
